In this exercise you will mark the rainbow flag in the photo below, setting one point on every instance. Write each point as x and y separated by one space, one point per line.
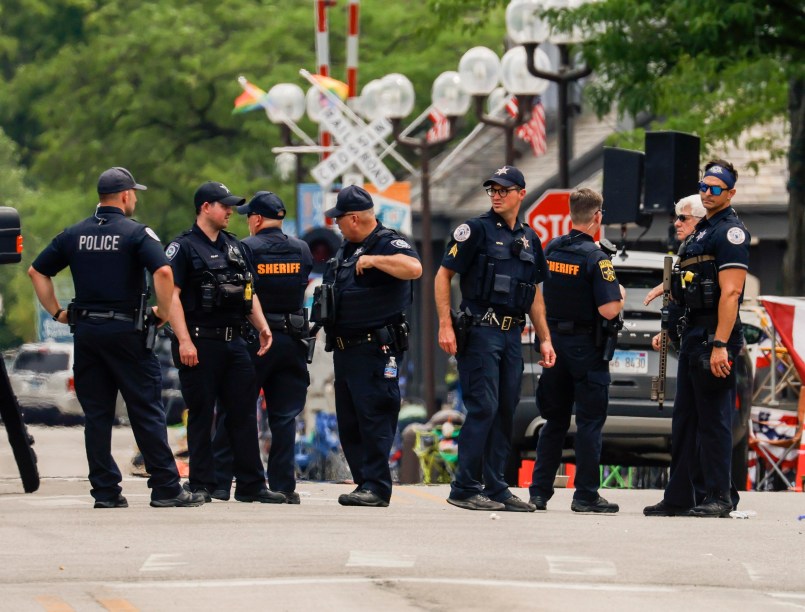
334 86
251 99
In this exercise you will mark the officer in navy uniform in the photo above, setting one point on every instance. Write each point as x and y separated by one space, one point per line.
212 298
583 299
108 254
282 265
708 281
365 290
501 264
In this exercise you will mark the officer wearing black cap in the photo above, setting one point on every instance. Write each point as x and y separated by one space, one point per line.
282 265
501 264
365 290
708 282
107 254
581 296
212 298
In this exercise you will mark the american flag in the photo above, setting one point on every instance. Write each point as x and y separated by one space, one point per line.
532 132
441 126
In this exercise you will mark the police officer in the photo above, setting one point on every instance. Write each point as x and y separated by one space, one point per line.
282 264
582 296
501 264
107 255
369 280
708 281
212 298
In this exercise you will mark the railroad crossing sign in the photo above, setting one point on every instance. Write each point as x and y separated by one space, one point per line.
357 146
550 215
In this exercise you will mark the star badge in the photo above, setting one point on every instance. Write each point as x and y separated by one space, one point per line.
525 242
502 170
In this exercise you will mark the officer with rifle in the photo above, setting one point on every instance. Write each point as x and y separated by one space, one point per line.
114 332
708 282
583 302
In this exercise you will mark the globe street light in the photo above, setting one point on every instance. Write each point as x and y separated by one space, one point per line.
526 27
481 71
393 97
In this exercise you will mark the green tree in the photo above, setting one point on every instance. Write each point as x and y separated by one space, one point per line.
711 67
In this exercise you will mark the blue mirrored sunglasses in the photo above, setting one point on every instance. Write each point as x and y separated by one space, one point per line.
714 189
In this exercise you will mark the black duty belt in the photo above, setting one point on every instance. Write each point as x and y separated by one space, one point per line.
571 328
215 333
109 315
503 323
342 342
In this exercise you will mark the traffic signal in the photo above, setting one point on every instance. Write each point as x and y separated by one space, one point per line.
324 244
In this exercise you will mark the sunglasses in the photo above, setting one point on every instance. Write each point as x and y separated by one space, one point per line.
684 218
491 191
714 189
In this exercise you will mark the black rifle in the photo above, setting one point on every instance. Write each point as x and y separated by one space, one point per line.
658 382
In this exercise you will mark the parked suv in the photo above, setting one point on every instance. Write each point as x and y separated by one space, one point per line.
42 379
637 430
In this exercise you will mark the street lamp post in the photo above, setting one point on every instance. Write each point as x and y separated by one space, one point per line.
481 71
393 96
527 28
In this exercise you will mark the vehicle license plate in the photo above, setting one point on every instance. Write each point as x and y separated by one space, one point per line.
629 362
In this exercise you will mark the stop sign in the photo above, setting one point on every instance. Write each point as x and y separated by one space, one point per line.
549 216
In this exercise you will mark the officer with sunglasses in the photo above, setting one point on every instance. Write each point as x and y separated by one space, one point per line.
708 282
500 261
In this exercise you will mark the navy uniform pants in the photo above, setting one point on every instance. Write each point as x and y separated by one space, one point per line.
282 375
701 426
106 363
490 369
367 405
224 374
579 377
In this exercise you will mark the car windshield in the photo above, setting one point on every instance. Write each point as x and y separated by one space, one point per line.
637 284
42 361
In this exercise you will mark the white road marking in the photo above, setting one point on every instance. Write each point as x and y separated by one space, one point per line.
469 582
754 574
580 566
158 562
359 558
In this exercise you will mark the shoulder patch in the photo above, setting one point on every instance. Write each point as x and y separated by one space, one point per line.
152 233
461 233
400 244
172 249
736 235
607 270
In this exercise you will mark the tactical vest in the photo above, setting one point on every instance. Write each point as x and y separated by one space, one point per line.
222 283
569 296
366 308
501 276
281 276
694 282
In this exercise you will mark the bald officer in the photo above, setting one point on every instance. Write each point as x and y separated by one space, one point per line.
107 254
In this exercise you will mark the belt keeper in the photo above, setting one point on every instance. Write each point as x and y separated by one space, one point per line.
228 333
506 324
339 342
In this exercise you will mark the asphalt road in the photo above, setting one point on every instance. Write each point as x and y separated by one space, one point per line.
58 554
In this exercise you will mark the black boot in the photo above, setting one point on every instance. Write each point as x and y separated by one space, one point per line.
715 505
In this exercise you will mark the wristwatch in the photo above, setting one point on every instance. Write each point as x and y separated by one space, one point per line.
719 344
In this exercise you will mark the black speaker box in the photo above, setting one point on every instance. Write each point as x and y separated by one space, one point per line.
623 185
672 169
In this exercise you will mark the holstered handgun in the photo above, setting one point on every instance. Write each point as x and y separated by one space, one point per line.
310 342
150 335
461 328
609 336
72 316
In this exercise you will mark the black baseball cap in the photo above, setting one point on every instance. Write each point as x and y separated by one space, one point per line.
507 176
117 179
350 199
265 203
212 191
